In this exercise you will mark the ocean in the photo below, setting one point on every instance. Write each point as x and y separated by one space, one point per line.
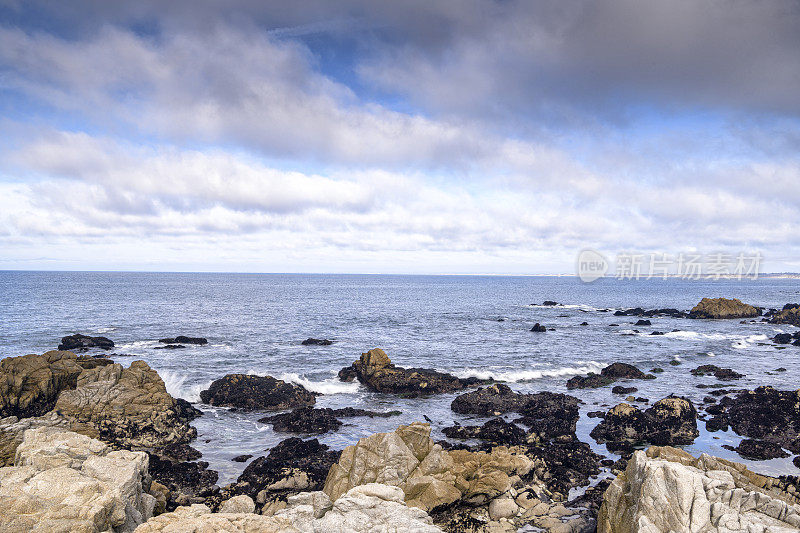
255 323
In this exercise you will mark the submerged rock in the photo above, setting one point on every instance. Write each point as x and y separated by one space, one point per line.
30 384
375 370
80 342
723 308
316 342
672 420
666 489
256 393
538 328
182 339
313 420
63 481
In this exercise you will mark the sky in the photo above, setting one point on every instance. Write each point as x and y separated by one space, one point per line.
475 137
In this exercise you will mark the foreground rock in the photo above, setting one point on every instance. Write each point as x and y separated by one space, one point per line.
367 508
669 421
80 342
316 421
29 385
765 414
608 375
375 370
723 308
181 339
256 393
666 489
63 481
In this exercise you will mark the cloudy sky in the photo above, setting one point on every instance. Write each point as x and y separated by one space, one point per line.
412 137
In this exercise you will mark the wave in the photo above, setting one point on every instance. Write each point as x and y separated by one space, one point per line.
581 307
327 386
748 341
108 329
176 386
521 376
137 345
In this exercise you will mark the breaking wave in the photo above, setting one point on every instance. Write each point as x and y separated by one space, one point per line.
521 376
328 386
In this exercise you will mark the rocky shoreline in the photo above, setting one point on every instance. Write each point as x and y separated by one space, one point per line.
87 444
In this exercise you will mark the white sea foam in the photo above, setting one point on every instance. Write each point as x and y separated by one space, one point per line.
517 376
580 307
746 342
137 345
328 386
176 386
108 329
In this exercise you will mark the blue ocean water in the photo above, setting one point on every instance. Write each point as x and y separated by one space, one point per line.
256 322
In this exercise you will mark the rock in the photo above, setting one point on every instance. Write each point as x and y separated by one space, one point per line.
503 507
666 489
723 308
88 363
790 314
760 449
496 431
316 342
238 504
375 370
638 311
782 338
619 389
80 342
566 464
63 481
764 414
584 323
12 430
643 322
608 375
429 476
242 458
672 420
183 480
181 339
127 407
315 421
170 347
538 328
723 374
198 518
549 303
256 392
29 385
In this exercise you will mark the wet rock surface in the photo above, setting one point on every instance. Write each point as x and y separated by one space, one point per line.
638 311
790 314
672 420
722 374
316 342
314 420
252 393
607 376
80 342
759 449
182 339
723 308
375 370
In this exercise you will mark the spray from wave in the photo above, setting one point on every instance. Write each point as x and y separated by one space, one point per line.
177 387
328 386
521 376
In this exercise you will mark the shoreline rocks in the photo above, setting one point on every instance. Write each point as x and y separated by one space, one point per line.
723 308
79 342
607 376
30 384
312 420
252 393
376 371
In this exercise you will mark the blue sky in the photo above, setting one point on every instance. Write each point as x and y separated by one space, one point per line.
414 137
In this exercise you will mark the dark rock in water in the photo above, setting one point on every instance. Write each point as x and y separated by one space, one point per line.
547 414
638 311
182 339
242 458
495 431
256 392
538 328
316 342
170 347
613 325
722 374
549 303
675 362
596 414
183 479
80 342
796 461
311 420
790 314
643 323
782 338
568 464
764 414
619 389
584 323
670 421
759 449
723 308
608 375
375 370
656 370
657 333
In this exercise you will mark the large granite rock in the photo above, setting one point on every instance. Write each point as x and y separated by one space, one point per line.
723 308
63 481
429 476
668 490
13 429
672 420
30 384
80 342
127 407
198 518
256 393
765 413
375 370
